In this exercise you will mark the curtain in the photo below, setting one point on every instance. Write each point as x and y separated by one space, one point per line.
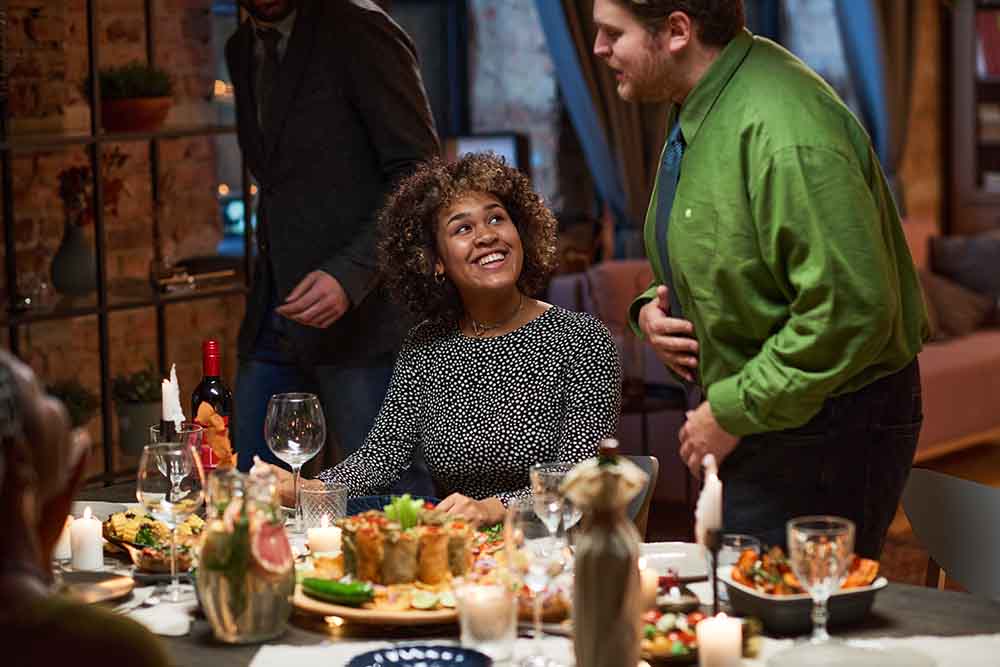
878 38
764 18
621 140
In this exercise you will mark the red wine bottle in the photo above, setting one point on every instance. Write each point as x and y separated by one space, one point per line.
211 389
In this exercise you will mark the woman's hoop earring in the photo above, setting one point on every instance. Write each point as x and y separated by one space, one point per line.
439 278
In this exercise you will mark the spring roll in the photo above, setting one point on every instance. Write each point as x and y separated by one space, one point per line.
400 565
433 558
459 547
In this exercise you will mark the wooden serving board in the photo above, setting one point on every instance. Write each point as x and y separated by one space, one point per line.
309 605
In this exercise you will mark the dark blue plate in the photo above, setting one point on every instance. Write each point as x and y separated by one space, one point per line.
365 503
422 655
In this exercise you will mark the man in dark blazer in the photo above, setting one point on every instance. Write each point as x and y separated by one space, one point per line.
331 114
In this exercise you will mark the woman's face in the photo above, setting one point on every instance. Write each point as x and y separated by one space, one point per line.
478 246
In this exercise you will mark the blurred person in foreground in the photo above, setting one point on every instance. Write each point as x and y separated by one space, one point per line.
492 380
784 289
41 465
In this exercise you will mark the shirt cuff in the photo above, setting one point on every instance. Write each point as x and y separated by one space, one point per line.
728 409
635 307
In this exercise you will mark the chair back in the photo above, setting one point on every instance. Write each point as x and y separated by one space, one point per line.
956 521
638 508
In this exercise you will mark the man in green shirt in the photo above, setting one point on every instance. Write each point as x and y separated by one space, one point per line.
784 288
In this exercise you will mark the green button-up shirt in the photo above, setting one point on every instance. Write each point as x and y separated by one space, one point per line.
785 245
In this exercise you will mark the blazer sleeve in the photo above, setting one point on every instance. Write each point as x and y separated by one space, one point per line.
384 84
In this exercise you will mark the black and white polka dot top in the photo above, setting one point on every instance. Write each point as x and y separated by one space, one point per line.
485 409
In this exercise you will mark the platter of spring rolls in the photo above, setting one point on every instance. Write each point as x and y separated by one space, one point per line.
395 567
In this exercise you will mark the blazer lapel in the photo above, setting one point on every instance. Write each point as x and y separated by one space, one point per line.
292 68
246 105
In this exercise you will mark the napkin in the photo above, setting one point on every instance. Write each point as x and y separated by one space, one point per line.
170 619
969 651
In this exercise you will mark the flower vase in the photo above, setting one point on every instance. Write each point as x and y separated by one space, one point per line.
74 269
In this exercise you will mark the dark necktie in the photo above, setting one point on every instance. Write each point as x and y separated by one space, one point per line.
670 174
267 76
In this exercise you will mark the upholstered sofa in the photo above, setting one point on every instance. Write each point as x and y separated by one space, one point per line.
960 376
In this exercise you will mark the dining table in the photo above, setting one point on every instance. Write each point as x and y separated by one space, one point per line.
899 610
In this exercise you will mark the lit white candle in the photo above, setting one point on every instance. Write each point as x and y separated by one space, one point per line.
708 512
324 538
86 543
63 550
171 410
720 641
486 611
649 584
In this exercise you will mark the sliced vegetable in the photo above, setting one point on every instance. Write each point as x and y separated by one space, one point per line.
404 510
424 600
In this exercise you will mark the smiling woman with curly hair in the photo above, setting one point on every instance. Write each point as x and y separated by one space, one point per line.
408 231
492 380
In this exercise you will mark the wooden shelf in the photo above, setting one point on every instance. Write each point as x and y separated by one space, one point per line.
123 295
42 142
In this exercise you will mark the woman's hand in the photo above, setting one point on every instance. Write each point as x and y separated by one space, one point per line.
286 482
477 512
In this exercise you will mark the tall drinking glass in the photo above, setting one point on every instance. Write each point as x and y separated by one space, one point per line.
171 486
819 550
535 558
295 430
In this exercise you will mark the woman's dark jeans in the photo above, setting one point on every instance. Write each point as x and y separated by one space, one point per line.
851 460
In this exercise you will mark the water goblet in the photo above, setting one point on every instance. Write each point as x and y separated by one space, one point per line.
819 550
535 558
171 486
552 505
295 431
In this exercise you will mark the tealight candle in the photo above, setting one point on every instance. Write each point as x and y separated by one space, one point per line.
63 550
324 538
649 584
720 641
487 615
85 543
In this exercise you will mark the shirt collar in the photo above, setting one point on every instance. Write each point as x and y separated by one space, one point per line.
284 26
702 97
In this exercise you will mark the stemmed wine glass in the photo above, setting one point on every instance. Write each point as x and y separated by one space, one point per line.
534 557
171 486
819 551
295 430
551 504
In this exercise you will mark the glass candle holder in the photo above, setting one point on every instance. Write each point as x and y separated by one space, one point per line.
487 615
330 500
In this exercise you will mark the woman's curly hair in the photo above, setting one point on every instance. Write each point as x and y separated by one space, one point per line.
407 230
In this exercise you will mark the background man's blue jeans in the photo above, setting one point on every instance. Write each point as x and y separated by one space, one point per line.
851 460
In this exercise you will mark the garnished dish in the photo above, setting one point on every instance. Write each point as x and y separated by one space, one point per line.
147 540
397 566
770 573
669 638
764 586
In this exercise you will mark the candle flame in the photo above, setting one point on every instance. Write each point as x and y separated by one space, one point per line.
324 521
87 513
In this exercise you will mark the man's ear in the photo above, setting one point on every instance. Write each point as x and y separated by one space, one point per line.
676 34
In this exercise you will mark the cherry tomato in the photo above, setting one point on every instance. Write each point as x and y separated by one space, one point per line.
651 616
695 617
428 505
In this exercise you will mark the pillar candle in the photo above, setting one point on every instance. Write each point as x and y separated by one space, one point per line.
86 543
720 641
324 538
63 550
649 584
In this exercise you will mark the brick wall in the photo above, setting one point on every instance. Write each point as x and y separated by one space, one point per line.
48 64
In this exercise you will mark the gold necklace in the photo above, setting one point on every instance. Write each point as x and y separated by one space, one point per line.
480 329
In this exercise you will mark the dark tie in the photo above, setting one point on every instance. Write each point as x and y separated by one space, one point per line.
267 76
670 173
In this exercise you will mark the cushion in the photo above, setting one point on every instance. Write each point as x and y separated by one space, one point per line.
933 320
957 311
971 261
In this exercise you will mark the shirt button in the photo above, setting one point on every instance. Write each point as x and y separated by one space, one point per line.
687 213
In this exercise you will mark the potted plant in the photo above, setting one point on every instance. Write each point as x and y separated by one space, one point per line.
137 397
74 267
81 403
134 97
